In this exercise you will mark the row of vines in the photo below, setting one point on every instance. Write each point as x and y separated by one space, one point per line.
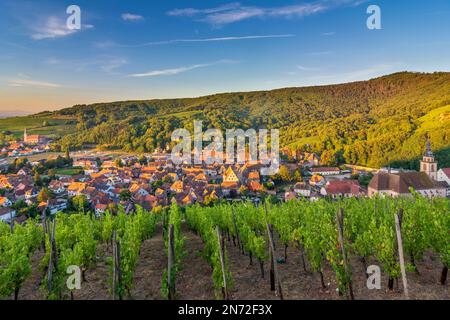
325 233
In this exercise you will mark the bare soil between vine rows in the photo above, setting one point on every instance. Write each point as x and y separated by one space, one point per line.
194 280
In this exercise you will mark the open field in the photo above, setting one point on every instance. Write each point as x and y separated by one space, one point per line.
68 171
40 156
44 125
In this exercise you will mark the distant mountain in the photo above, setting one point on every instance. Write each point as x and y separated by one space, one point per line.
9 114
383 121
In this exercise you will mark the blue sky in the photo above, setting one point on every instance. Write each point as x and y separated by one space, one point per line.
136 49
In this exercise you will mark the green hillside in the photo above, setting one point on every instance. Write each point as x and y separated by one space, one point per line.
44 123
377 122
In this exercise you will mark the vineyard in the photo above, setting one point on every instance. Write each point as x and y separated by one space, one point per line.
293 250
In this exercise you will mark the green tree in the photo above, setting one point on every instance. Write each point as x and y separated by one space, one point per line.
329 158
285 174
80 203
118 163
44 195
125 195
298 175
37 179
142 160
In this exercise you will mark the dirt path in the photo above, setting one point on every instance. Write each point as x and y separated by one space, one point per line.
31 287
96 286
150 268
194 280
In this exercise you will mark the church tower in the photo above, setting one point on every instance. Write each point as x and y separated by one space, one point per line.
428 164
25 136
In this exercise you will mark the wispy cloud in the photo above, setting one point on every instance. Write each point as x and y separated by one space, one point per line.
32 83
192 12
54 27
236 12
175 71
104 45
106 63
112 64
298 68
132 17
328 34
303 68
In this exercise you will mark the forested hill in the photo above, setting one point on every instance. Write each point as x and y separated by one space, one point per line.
374 123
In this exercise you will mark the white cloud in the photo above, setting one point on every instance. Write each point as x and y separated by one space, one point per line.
106 63
328 34
32 83
54 27
175 71
132 17
103 45
303 68
112 64
235 12
192 12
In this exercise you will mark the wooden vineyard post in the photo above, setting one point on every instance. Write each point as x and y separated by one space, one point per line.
274 276
398 229
164 224
340 224
11 221
170 263
44 227
444 273
52 259
114 284
236 229
119 272
222 263
117 276
302 255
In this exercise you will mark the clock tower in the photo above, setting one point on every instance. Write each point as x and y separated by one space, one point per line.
428 164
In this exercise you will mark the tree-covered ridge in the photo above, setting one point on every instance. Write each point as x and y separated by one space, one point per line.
374 123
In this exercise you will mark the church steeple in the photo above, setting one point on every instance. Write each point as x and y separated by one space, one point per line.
25 136
429 153
428 163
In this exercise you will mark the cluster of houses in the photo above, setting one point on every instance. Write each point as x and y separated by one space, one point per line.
31 144
159 182
129 183
334 183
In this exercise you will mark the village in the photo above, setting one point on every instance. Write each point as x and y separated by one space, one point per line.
96 182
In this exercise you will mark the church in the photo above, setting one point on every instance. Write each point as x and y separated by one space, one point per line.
34 138
424 182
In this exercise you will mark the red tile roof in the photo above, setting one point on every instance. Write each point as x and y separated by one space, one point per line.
446 172
325 169
343 187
